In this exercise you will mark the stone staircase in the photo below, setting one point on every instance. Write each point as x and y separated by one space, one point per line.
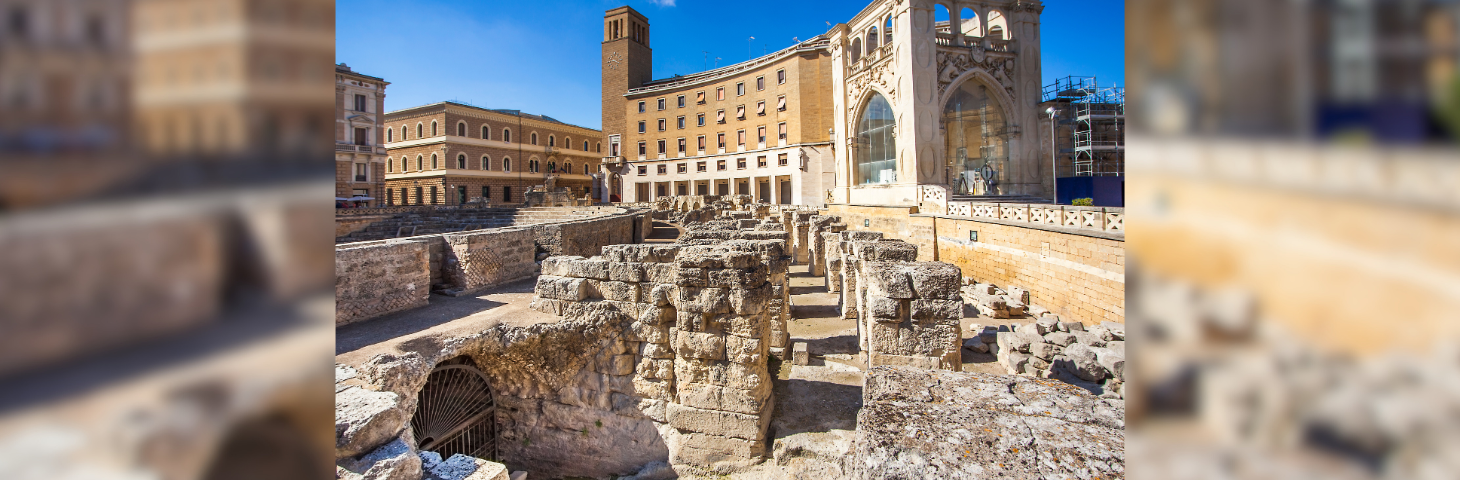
428 222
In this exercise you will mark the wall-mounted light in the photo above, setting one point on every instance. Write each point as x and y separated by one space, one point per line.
867 222
973 235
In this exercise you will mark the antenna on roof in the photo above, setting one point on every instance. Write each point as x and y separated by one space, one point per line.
796 40
707 56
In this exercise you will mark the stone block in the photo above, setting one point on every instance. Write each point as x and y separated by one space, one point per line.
713 397
744 350
725 374
1080 360
1017 363
703 300
366 419
1063 339
799 354
884 309
748 326
595 268
558 266
887 280
715 422
936 280
1046 325
707 346
1044 351
618 291
656 350
936 310
745 301
1117 331
562 288
625 272
1088 338
713 450
1071 326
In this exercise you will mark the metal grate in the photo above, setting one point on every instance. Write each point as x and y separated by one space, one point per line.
456 413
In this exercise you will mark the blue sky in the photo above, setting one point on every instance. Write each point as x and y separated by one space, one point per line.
542 56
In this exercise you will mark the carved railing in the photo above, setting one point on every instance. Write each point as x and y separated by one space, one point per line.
1100 219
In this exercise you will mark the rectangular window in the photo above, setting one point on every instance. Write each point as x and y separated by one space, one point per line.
661 147
663 125
641 126
740 138
663 169
682 168
681 145
780 76
720 93
360 103
760 161
740 112
641 107
760 134
722 141
781 134
679 122
702 143
661 104
361 137
720 165
740 164
739 88
759 83
700 119
781 160
507 194
643 149
700 97
760 108
781 103
720 116
361 173
643 170
701 167
681 101
486 193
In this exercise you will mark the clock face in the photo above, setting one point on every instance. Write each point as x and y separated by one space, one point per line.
613 60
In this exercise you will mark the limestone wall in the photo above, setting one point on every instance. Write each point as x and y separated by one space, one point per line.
588 237
484 259
379 278
701 332
912 313
1071 259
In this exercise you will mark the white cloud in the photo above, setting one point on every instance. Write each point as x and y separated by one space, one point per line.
663 3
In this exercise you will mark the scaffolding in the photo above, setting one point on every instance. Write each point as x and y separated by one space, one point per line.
1095 120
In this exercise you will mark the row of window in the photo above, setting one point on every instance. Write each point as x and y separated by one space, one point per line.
719 116
720 165
434 198
533 166
760 133
719 93
461 131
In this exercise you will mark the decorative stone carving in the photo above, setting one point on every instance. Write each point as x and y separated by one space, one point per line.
951 65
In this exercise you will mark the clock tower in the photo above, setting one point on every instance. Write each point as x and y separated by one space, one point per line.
627 63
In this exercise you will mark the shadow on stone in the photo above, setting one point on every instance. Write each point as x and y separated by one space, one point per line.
814 406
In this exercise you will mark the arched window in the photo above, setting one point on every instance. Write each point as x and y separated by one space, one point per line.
976 130
998 25
552 140
420 163
486 133
876 147
403 164
434 164
461 161
389 135
887 31
585 145
507 135
532 166
968 21
872 40
433 128
420 131
534 138
506 164
461 129
404 132
389 165
486 162
585 169
598 147
568 167
856 49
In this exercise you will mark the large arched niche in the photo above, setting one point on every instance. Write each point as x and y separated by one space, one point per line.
976 135
875 161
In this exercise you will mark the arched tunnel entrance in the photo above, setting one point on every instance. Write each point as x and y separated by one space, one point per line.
456 412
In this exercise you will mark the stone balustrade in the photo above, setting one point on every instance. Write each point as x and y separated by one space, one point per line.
1100 219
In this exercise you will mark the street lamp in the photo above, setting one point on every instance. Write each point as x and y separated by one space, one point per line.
1053 168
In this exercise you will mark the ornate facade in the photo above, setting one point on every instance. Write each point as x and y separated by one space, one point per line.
927 109
359 137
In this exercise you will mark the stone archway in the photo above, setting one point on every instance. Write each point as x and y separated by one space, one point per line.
456 412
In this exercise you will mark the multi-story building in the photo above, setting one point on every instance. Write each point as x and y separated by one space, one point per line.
451 153
760 128
359 137
235 80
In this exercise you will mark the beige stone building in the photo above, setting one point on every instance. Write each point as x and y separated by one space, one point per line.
451 153
758 128
359 137
234 78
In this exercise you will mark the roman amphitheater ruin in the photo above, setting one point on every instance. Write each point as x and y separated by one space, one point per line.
709 335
